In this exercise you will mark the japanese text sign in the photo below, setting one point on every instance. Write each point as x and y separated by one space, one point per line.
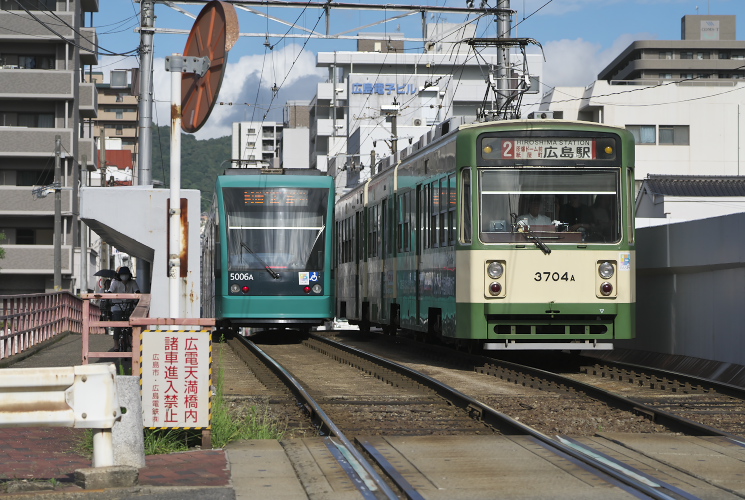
176 375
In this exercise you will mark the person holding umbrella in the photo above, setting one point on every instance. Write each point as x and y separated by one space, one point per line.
122 308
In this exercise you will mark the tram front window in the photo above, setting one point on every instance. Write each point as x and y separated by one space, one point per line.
563 205
276 228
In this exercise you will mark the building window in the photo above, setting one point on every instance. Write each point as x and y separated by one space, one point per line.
119 114
686 55
724 54
674 134
686 76
119 130
666 76
666 54
25 236
643 134
702 55
34 177
120 98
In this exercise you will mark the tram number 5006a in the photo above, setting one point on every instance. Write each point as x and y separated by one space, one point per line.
549 276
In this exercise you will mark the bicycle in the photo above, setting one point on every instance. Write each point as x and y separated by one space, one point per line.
123 335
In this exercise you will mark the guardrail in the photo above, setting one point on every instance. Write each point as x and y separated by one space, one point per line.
73 396
28 319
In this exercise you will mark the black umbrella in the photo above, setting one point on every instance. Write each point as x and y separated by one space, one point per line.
106 273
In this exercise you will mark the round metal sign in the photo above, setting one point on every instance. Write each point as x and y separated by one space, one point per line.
214 33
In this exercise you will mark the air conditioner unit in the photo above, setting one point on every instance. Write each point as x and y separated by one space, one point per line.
417 122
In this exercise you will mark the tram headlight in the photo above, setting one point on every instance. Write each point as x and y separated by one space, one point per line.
606 289
495 270
317 288
606 270
234 288
495 288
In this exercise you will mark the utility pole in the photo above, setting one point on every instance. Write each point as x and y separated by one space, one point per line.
145 156
83 235
504 30
103 157
144 162
57 215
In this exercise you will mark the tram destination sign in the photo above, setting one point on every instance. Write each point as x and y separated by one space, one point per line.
276 197
565 148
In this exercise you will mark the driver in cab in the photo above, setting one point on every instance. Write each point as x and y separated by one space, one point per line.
534 217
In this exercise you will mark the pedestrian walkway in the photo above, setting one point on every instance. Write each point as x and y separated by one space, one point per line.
40 458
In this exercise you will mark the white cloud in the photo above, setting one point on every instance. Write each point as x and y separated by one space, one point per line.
240 84
577 62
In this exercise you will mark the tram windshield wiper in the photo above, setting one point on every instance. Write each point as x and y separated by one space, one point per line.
538 242
271 271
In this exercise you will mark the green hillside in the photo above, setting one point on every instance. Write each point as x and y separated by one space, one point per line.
201 161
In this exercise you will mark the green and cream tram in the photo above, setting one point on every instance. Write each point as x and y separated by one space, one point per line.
515 234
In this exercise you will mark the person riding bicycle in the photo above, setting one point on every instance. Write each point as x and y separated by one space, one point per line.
122 308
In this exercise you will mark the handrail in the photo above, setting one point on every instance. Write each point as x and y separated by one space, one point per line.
138 319
29 319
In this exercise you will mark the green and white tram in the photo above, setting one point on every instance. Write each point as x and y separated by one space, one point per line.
516 234
266 250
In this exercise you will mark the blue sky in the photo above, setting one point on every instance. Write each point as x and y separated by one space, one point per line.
579 38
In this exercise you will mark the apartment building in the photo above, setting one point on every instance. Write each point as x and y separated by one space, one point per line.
118 122
682 99
707 52
256 144
44 49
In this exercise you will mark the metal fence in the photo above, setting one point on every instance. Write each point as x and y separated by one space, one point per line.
27 320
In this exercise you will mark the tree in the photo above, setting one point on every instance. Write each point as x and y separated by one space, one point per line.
2 250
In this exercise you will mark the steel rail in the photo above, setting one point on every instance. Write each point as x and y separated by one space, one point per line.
670 420
492 417
318 416
735 391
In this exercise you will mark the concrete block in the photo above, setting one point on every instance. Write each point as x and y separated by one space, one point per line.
127 435
116 476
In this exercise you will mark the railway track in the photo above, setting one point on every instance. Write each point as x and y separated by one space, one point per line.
427 405
577 396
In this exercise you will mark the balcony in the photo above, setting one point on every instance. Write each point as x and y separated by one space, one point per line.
17 200
87 147
326 91
21 27
36 84
88 46
126 101
32 142
110 116
88 105
326 127
34 259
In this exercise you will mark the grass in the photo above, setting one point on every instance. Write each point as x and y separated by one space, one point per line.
257 423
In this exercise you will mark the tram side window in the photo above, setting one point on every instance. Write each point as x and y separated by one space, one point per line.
434 209
424 216
372 231
403 224
443 208
465 204
452 204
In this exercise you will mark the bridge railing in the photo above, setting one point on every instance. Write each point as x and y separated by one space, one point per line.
29 319
138 320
